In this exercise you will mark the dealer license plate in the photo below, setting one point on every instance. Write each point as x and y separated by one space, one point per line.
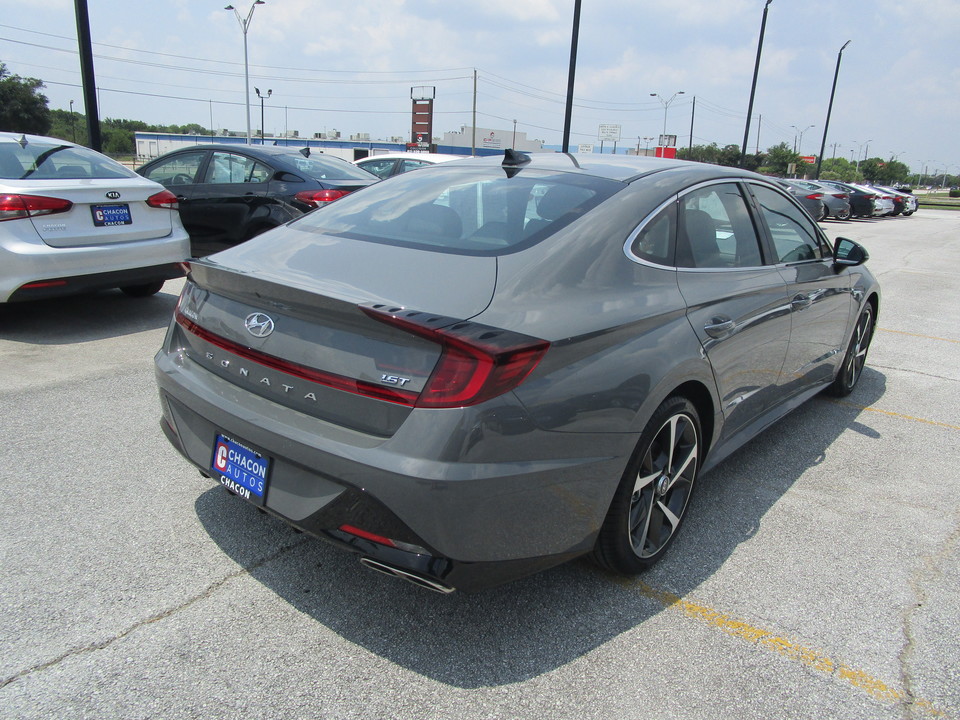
109 215
240 469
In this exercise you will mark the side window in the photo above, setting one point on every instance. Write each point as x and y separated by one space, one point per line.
178 169
795 238
715 229
380 168
656 241
408 165
230 168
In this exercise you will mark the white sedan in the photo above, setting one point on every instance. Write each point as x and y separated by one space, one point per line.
390 164
73 221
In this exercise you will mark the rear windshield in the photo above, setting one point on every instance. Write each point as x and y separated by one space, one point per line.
462 209
326 168
48 161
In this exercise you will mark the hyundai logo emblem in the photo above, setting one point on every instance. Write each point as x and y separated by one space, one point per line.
113 195
258 324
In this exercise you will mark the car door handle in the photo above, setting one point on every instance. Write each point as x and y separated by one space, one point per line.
181 198
800 302
719 327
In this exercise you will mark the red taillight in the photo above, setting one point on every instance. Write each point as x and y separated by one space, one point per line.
842 196
314 198
477 362
13 207
814 196
164 199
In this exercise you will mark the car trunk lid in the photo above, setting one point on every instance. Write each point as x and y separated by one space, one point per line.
104 212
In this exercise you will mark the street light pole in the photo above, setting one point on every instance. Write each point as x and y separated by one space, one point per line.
666 104
244 26
263 131
753 87
571 75
826 125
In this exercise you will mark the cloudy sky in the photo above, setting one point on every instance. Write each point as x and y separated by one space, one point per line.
350 66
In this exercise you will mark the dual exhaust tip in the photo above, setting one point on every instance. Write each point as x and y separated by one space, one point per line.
411 577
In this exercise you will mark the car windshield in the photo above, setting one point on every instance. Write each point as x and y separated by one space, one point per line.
47 161
463 209
326 168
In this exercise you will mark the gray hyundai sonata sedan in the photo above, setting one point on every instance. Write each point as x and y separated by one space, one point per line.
488 367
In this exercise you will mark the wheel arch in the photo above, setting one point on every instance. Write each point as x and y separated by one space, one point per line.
698 394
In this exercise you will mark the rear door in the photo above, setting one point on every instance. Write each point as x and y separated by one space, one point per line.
736 300
231 190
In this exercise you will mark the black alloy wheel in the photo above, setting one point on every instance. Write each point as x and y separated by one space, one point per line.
856 357
651 500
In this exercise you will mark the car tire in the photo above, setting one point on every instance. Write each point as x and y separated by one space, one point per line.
652 497
142 291
852 366
843 214
823 214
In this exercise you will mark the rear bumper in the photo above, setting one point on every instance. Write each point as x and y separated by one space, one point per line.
67 271
476 524
59 287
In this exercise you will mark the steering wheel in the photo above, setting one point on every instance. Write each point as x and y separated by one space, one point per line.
181 179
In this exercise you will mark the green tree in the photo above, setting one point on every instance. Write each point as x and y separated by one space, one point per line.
779 158
22 107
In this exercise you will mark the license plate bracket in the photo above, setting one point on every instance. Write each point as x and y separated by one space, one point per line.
240 469
111 215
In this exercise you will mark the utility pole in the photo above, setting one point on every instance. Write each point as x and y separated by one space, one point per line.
571 75
753 87
87 74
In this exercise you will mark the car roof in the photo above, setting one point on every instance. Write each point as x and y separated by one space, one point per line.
624 168
6 136
429 157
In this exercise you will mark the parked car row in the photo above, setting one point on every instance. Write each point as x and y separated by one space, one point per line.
838 200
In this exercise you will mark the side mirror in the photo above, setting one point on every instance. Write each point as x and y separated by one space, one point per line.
847 253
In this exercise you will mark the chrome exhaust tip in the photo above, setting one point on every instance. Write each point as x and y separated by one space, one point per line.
410 577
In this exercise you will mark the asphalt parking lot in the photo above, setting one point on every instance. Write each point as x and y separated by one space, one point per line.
818 574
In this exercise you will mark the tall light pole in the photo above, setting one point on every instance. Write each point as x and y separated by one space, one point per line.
263 131
244 26
753 87
796 147
571 76
826 125
666 104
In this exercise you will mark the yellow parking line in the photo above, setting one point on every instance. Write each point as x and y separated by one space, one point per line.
928 337
897 415
783 646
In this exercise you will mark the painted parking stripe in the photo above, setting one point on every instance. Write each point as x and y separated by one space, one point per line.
783 646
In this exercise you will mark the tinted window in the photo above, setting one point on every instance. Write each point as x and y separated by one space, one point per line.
380 168
179 169
48 161
319 167
656 240
715 229
793 233
462 209
230 168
